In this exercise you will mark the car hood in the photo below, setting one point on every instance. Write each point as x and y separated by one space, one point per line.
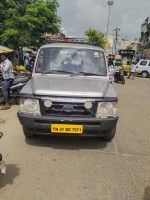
69 86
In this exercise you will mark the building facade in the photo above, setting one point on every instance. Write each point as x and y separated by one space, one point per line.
144 46
110 48
129 44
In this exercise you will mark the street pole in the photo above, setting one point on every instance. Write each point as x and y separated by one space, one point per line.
116 40
110 3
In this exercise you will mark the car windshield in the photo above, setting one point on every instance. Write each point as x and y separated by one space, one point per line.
71 60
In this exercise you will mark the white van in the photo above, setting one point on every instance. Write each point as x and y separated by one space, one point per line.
143 68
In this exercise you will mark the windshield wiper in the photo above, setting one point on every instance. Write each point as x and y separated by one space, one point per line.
72 73
89 74
57 71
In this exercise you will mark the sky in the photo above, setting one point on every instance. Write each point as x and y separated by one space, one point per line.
128 15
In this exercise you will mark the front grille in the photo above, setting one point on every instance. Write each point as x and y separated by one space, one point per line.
48 122
78 109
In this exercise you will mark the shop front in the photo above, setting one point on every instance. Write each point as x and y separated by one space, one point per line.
127 54
127 58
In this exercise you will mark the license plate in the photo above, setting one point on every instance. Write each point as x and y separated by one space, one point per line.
68 129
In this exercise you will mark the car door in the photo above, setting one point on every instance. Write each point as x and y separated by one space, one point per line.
149 67
143 65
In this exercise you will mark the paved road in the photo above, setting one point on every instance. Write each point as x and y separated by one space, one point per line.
58 168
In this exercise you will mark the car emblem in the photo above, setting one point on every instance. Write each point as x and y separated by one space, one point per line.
68 108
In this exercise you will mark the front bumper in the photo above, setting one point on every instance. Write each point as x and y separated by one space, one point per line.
41 125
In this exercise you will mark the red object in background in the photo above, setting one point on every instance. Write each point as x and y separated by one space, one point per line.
18 90
16 72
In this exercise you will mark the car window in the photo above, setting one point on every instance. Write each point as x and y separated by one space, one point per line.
71 60
143 63
149 64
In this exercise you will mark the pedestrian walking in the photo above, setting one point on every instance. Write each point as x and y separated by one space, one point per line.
111 73
132 71
8 76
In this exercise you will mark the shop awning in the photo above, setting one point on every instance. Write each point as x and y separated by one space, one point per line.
5 49
27 49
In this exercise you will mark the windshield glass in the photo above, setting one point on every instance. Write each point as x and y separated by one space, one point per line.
71 60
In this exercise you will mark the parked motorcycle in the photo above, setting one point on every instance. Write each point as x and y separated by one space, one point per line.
30 67
119 77
2 164
15 89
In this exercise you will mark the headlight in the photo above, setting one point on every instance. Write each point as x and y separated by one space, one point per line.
106 109
29 106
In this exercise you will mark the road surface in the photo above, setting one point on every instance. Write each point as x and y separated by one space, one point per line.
60 168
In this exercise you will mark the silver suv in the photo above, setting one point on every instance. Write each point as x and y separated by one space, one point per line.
69 93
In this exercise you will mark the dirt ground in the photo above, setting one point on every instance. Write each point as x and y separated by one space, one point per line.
71 168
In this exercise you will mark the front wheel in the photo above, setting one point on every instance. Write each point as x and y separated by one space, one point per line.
27 134
17 101
110 135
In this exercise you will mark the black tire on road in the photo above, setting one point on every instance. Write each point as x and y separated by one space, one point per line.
123 80
27 134
144 74
110 135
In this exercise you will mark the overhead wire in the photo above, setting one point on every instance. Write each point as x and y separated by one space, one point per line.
138 17
136 20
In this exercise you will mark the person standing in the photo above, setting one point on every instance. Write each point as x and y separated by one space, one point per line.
26 62
8 76
118 70
16 61
111 73
132 71
32 60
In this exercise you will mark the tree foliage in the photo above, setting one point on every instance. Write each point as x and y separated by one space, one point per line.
96 36
129 48
22 22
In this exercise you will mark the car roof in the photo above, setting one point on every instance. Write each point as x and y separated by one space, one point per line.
72 45
143 60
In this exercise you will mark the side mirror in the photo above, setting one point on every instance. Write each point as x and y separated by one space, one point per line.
30 68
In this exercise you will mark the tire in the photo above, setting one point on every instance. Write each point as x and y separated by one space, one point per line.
144 74
123 80
110 135
16 96
27 134
17 101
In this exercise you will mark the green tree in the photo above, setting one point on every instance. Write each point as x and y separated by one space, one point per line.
96 36
129 48
22 22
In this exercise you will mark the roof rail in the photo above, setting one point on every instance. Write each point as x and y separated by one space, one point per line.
72 41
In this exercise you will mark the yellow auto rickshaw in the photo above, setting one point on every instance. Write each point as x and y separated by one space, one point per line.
126 64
